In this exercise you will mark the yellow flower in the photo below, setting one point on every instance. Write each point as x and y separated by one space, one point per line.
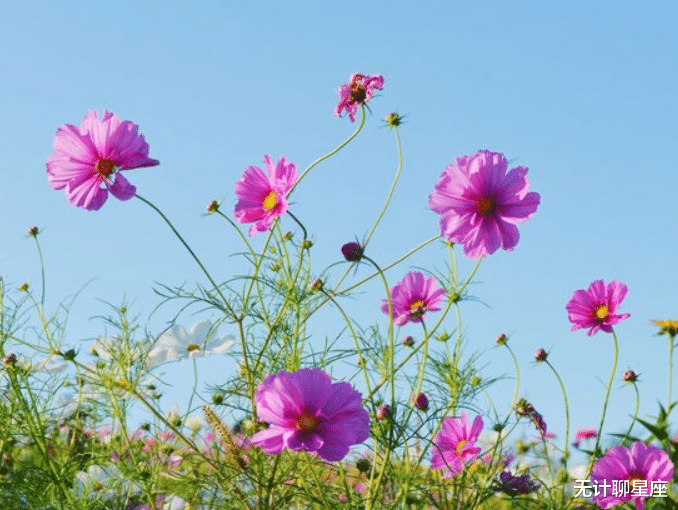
667 326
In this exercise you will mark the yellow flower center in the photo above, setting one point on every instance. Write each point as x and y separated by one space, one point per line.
306 422
486 206
104 167
460 447
417 308
602 312
270 201
192 347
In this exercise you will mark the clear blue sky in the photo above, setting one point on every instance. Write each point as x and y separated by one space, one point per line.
582 93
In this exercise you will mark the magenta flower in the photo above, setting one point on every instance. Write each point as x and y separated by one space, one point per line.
454 446
306 411
480 204
584 435
644 467
264 198
358 92
87 160
413 297
595 308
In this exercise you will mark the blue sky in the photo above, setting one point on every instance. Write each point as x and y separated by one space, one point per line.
582 94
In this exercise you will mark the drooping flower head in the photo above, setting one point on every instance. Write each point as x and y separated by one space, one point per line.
596 307
413 297
480 204
357 92
263 198
454 446
513 485
584 435
524 408
642 466
87 160
306 411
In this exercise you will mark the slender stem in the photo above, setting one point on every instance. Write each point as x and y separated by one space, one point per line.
517 388
195 257
670 374
390 192
332 152
567 413
635 413
42 271
607 397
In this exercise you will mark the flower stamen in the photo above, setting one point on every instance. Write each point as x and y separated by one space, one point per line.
192 347
486 206
270 201
417 308
602 312
306 422
104 167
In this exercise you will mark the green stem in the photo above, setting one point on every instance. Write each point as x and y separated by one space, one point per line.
517 388
332 152
390 192
607 397
670 374
195 257
635 413
567 410
42 271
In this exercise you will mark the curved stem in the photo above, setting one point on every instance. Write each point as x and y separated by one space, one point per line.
331 153
635 414
607 397
567 414
42 271
517 388
195 257
390 192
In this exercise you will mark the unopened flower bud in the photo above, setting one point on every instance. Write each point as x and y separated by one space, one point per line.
69 355
213 207
475 381
393 120
316 285
501 339
33 231
352 252
23 287
443 337
408 341
10 359
306 244
541 355
287 236
384 412
630 376
420 402
363 465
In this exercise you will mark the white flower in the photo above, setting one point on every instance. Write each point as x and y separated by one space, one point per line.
174 503
52 364
104 482
177 344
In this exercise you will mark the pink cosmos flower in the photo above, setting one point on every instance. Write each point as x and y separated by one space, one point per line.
306 411
87 160
454 446
595 308
584 435
642 466
263 198
357 92
480 204
413 297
